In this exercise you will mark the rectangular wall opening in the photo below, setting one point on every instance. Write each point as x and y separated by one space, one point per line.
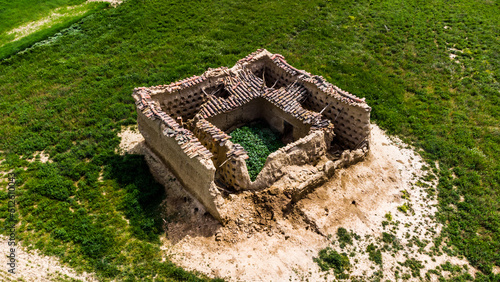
287 132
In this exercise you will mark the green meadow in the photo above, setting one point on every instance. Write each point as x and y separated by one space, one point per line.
25 22
429 70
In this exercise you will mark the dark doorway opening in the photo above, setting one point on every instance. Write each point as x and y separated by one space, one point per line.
287 132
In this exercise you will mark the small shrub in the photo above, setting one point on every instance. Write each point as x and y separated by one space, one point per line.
414 265
385 223
344 236
405 195
375 254
405 208
330 259
388 238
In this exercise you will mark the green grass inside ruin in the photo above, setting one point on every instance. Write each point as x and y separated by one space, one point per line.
259 140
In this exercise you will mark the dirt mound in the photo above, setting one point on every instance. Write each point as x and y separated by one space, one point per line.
268 236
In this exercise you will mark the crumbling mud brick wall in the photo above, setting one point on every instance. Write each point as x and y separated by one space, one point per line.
351 117
307 150
187 123
195 173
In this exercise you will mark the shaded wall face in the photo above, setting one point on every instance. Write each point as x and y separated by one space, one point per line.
197 176
231 120
284 122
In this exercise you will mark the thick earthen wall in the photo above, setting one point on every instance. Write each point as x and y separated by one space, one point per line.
307 150
196 175
271 72
186 102
213 146
351 122
276 117
233 171
231 120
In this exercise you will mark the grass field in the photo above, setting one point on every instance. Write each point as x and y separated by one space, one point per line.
25 22
430 70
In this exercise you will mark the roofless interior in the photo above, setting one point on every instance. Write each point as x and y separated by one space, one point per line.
260 109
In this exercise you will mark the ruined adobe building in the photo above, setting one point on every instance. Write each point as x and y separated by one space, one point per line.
186 124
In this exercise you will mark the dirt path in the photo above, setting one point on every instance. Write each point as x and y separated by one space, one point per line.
113 3
53 18
264 242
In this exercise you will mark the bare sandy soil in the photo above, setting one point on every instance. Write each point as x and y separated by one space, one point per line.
32 266
131 141
267 239
114 3
34 26
40 156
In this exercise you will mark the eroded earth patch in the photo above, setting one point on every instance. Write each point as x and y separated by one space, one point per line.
387 201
